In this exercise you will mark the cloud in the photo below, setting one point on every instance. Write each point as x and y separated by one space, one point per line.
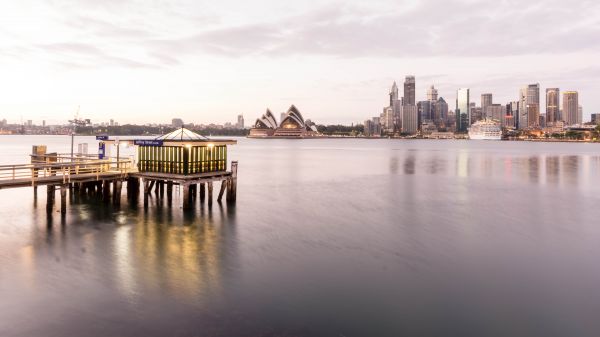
431 28
82 55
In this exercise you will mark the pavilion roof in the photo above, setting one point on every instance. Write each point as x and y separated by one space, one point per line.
182 134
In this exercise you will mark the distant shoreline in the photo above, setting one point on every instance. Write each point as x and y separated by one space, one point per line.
338 137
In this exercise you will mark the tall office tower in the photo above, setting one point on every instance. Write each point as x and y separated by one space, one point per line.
368 128
409 119
440 112
395 104
512 114
240 121
522 118
595 119
425 109
580 115
432 94
486 100
462 113
529 109
376 126
388 119
571 107
393 94
409 90
552 105
496 112
176 122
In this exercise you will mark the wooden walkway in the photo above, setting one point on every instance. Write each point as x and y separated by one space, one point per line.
88 174
74 170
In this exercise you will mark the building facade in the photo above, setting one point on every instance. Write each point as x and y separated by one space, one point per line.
432 93
409 90
462 113
409 119
571 108
553 105
486 100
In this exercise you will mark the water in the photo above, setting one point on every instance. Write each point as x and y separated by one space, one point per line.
337 237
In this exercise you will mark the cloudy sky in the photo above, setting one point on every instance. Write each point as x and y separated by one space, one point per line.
208 61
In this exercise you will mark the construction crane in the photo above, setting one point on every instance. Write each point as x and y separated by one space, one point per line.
76 122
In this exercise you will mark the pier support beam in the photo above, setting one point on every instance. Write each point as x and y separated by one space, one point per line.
106 191
169 193
147 189
50 198
222 190
117 185
210 193
63 198
186 196
161 189
202 193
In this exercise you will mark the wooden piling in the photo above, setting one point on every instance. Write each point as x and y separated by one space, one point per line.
234 166
146 192
222 190
63 198
106 191
169 193
202 193
117 185
210 192
49 198
186 197
162 189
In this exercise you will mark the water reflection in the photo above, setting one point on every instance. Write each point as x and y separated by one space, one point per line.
568 170
159 251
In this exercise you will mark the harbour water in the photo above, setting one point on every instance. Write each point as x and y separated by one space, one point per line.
329 237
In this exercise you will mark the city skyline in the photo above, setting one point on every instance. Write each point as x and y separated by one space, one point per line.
216 61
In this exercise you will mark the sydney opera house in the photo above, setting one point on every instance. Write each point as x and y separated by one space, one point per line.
292 125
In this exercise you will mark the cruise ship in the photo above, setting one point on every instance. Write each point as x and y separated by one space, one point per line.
485 130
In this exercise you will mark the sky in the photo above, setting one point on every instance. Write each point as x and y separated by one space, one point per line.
208 61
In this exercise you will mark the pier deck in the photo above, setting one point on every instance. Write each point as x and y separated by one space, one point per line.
88 174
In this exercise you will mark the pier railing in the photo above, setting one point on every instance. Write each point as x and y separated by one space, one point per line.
61 169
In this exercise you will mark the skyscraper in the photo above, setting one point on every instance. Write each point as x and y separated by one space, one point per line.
409 90
409 119
432 94
395 104
440 113
462 113
496 112
552 105
486 100
529 107
571 108
240 121
393 94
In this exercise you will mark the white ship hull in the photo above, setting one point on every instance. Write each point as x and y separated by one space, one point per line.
485 130
480 136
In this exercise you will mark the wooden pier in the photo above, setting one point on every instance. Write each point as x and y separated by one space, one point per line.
195 166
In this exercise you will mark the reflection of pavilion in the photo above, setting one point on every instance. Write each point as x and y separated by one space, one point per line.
138 253
292 125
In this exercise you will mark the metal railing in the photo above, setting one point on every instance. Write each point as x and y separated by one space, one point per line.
62 169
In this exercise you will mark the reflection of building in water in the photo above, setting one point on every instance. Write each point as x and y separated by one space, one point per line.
552 169
569 170
185 261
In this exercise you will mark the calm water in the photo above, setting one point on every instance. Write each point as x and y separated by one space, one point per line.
328 238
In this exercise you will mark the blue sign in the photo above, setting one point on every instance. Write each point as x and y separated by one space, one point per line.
101 150
102 137
148 142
